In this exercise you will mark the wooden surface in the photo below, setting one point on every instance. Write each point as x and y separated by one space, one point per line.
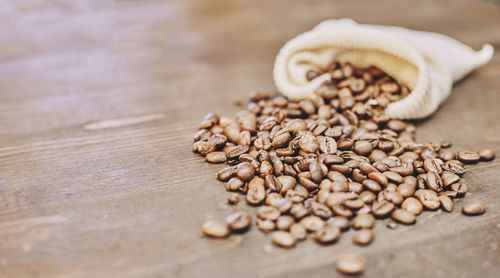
98 103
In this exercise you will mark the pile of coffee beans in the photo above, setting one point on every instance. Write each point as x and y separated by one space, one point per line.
318 166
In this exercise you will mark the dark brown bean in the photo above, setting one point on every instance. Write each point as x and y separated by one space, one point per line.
363 221
363 237
403 216
326 234
486 154
468 157
256 191
245 171
382 208
351 265
428 198
215 229
474 208
434 181
284 239
446 203
239 221
233 199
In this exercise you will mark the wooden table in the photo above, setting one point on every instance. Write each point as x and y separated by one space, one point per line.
98 104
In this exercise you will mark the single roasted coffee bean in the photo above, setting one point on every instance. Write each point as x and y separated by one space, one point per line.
372 185
215 229
403 216
468 157
474 208
449 178
256 191
233 199
382 208
363 237
298 231
454 166
312 223
266 225
239 221
284 222
216 157
406 190
432 165
351 265
363 221
412 205
326 234
234 184
446 203
446 154
245 171
283 239
341 222
434 181
268 212
391 224
486 154
321 210
428 198
460 188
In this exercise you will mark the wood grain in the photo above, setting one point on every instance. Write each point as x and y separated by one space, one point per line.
98 103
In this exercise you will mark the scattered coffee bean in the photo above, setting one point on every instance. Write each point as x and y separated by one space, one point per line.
265 225
391 224
468 157
412 205
363 221
215 229
446 203
284 222
403 216
474 208
239 221
363 237
298 231
351 265
283 239
486 154
326 234
233 199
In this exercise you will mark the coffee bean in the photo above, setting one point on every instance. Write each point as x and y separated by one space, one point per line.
327 144
281 138
237 151
367 197
341 222
239 221
326 234
298 231
449 178
396 125
312 223
486 154
434 181
454 166
449 193
245 171
403 216
226 173
391 224
446 154
321 210
299 211
412 205
468 157
284 222
268 212
406 190
382 208
474 208
233 184
256 191
265 225
283 239
372 185
351 265
378 177
460 188
215 229
446 203
216 157
432 165
363 221
233 199
428 198
363 237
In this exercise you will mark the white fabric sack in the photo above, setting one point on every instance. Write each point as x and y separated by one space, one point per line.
428 63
